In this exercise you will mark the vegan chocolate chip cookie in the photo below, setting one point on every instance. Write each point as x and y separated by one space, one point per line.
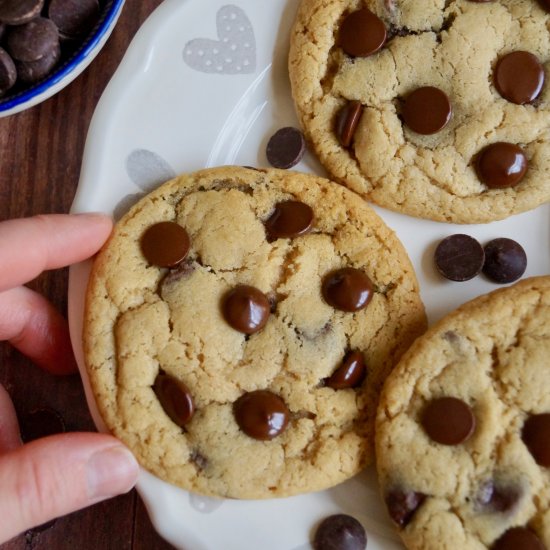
463 427
239 326
437 109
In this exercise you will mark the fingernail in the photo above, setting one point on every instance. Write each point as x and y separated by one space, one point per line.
92 215
111 471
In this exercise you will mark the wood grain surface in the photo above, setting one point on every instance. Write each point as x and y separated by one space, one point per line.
40 156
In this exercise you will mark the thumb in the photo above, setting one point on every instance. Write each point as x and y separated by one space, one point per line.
57 475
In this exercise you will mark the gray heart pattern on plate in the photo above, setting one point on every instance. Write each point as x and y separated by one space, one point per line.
233 53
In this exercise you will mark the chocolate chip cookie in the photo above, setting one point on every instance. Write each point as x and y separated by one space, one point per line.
437 109
239 326
463 427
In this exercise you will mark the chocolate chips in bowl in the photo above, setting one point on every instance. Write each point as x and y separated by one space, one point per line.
45 44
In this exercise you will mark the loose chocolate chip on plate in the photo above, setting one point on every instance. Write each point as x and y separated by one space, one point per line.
505 260
165 244
536 436
175 398
362 33
285 148
459 257
448 420
18 12
350 374
518 538
519 77
501 165
73 18
347 289
347 120
402 505
32 40
427 110
289 219
261 414
40 423
33 71
8 72
246 309
340 532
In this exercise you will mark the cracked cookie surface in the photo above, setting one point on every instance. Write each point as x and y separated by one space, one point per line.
492 356
142 320
453 45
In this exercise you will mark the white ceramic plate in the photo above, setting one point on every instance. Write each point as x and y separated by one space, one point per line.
205 84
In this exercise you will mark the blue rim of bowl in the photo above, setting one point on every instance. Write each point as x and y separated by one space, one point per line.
102 26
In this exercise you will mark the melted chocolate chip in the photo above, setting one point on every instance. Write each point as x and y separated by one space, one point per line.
165 244
362 33
40 423
505 260
403 504
289 219
286 148
246 309
459 257
347 289
448 421
518 538
495 496
261 414
501 165
347 120
33 40
427 110
340 532
18 12
175 398
181 271
536 436
199 460
519 77
350 374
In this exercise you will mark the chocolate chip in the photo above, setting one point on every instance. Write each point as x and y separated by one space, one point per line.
519 77
18 12
246 309
261 414
427 110
505 260
459 257
501 165
495 496
165 244
448 421
518 538
347 289
536 436
347 120
8 72
289 219
340 532
350 374
73 18
175 398
199 460
33 71
40 423
362 33
181 271
32 40
403 504
285 148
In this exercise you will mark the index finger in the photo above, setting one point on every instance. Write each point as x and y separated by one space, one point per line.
29 246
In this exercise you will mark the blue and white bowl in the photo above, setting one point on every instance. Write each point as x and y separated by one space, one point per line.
68 68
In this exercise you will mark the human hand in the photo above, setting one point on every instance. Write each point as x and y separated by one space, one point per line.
59 474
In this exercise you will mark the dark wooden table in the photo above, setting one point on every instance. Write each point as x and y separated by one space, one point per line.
40 155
